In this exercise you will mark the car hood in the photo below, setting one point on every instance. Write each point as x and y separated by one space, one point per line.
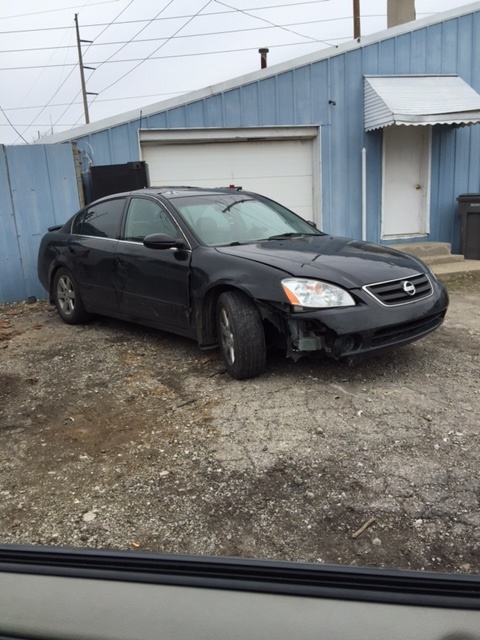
350 263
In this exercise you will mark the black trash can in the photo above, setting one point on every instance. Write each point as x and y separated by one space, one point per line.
469 212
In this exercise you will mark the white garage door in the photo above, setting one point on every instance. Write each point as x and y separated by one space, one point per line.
279 169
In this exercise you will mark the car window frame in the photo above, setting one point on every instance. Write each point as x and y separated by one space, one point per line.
85 209
181 233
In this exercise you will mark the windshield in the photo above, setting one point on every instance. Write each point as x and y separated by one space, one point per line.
229 219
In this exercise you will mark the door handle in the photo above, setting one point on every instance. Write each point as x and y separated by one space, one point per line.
419 186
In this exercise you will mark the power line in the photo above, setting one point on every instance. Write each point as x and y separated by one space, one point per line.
37 124
36 13
56 92
245 12
108 59
64 104
150 56
12 126
37 79
216 13
72 70
196 35
177 55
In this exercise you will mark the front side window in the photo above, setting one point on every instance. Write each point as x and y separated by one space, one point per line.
145 217
101 220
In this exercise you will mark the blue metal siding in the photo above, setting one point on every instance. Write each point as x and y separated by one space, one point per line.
232 108
157 121
286 99
474 159
214 111
403 64
121 144
302 90
12 283
320 91
373 145
39 185
97 146
434 49
386 57
354 139
466 36
418 52
475 51
450 49
33 206
371 59
268 101
176 117
195 115
301 96
249 104
443 145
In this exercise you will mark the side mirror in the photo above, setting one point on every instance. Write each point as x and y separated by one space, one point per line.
163 241
312 223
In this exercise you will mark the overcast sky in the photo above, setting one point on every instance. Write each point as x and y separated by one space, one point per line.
145 51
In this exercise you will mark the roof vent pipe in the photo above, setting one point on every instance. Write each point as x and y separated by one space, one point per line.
263 58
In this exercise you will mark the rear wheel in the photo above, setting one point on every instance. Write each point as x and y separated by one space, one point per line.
241 335
67 298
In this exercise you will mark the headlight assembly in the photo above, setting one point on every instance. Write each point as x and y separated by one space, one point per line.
315 294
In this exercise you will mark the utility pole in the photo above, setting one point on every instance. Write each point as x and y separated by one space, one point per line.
82 75
356 19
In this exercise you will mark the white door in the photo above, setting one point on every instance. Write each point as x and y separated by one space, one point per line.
406 181
279 169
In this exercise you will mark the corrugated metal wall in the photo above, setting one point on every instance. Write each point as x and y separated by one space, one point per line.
38 187
329 92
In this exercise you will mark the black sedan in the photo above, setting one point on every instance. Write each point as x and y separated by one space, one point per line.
232 268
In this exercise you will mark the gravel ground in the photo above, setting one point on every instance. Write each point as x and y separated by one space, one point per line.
118 436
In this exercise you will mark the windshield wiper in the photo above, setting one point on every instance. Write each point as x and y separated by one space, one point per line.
237 202
291 234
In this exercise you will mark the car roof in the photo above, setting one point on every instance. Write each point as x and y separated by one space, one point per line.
175 191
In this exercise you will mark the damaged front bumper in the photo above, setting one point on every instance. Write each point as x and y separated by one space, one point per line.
365 329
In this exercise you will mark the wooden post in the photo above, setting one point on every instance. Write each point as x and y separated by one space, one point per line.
356 19
82 74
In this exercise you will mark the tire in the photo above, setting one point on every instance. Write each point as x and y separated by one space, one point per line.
67 298
241 335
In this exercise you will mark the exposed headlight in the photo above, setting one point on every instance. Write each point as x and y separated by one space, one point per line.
314 293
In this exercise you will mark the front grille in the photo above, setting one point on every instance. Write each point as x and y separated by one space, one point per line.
404 291
407 330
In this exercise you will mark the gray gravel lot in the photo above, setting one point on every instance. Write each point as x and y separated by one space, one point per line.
117 436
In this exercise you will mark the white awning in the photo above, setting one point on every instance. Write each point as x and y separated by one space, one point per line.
419 100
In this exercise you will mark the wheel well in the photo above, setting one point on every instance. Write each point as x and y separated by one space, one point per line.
50 284
206 322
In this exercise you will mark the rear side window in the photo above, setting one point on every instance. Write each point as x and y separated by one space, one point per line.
102 220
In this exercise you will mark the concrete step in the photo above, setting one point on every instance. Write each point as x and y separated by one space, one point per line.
431 253
440 259
437 255
444 271
424 250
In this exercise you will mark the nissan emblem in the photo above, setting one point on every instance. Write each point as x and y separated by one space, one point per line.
409 288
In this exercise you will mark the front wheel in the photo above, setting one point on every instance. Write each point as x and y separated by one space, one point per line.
241 335
67 298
